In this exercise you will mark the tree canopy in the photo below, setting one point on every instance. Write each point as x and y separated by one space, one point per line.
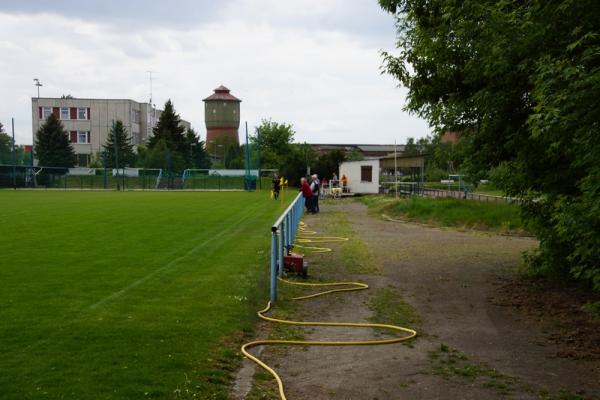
168 142
521 82
118 147
52 147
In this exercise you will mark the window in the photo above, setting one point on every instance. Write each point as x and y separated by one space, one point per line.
46 111
82 113
366 173
64 113
135 116
83 137
83 160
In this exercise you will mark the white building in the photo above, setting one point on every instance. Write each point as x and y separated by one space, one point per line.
89 121
363 175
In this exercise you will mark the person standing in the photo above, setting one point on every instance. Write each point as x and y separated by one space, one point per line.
315 188
276 186
306 193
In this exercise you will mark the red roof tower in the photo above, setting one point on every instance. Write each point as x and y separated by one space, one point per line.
222 117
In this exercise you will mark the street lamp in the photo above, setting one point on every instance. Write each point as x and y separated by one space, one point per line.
38 84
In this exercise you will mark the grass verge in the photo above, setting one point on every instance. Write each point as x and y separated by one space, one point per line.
495 217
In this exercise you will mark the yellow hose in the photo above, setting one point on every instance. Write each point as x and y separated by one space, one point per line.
345 287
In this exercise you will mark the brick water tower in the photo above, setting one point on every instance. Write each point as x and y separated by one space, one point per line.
222 117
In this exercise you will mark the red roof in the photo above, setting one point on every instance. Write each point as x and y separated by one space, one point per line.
221 93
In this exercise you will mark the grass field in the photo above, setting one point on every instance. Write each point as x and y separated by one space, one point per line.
136 295
498 217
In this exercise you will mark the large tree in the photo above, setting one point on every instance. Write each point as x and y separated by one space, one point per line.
521 82
52 147
118 148
197 156
170 134
274 141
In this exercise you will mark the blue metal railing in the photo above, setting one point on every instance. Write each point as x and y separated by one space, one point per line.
283 234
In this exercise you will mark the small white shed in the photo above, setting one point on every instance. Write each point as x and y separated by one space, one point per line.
363 175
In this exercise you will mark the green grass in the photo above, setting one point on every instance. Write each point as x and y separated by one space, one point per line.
389 307
498 217
128 295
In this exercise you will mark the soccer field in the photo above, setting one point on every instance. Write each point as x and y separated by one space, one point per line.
135 295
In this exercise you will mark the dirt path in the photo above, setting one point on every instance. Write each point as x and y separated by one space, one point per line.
470 346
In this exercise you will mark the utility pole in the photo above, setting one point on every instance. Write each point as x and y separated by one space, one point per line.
150 79
395 169
116 154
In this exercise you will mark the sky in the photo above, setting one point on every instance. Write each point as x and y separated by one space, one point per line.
314 64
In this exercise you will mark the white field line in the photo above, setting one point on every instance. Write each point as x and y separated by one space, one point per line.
138 282
166 266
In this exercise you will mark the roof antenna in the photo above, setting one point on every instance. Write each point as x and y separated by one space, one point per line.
150 79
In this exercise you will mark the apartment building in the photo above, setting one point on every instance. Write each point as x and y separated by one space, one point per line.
89 121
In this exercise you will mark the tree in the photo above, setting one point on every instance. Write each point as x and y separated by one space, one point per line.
118 146
329 163
197 156
5 146
274 141
52 147
169 131
521 82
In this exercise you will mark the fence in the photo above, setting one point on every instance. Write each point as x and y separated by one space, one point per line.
283 234
466 195
122 179
416 188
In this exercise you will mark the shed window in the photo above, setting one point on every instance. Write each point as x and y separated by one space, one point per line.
366 173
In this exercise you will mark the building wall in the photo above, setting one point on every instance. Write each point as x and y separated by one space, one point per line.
137 118
353 171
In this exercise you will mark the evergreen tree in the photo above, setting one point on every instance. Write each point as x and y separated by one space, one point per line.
197 157
52 145
118 144
5 146
170 130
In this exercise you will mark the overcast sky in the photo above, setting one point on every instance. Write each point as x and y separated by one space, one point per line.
312 63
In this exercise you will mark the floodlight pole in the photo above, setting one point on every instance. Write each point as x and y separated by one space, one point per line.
14 156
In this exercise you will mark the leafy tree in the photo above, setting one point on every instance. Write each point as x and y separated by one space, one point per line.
118 144
67 96
170 132
52 147
234 156
274 141
354 155
521 82
329 163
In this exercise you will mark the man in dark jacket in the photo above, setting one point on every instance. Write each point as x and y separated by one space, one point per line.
315 188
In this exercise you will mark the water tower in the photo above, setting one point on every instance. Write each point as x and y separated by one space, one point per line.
222 117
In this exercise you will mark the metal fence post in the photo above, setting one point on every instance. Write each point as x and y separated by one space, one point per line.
273 266
282 238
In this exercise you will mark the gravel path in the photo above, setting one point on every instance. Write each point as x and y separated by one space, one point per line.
469 346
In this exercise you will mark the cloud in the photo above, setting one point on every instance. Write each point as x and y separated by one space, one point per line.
323 78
